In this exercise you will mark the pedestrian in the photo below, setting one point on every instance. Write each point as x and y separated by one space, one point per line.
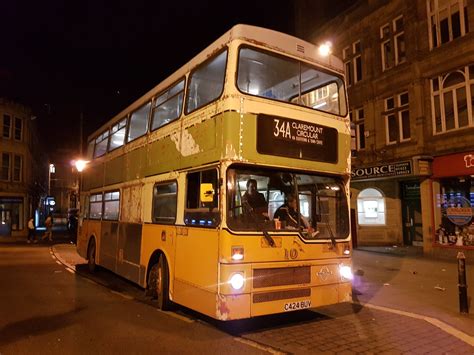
31 231
49 228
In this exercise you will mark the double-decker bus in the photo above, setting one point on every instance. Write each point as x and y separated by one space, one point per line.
190 191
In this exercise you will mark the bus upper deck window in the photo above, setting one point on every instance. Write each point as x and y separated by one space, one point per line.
206 83
139 122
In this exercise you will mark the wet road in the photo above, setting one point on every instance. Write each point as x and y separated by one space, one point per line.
46 308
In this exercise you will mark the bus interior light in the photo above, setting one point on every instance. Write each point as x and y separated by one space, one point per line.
237 253
237 281
325 49
346 272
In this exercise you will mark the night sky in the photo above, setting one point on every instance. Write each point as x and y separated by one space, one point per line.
64 57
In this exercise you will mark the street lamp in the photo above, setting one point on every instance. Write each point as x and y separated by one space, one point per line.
51 170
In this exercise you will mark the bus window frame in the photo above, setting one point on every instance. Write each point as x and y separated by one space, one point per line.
150 129
217 192
103 204
225 48
124 138
299 61
95 143
166 182
129 120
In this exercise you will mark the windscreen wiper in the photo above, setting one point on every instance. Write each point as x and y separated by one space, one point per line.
268 238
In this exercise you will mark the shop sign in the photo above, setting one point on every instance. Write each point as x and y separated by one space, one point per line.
454 165
384 170
459 211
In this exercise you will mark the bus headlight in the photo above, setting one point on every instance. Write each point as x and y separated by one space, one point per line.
346 272
237 281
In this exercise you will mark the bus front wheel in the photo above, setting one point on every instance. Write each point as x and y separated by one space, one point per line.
91 256
158 283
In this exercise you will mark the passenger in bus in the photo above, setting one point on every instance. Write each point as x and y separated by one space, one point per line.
254 202
291 218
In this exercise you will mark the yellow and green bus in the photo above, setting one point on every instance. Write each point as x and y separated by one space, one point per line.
188 189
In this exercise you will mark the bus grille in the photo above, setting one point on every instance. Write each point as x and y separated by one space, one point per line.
281 295
281 276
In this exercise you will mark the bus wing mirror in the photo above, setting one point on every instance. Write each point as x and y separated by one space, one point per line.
207 192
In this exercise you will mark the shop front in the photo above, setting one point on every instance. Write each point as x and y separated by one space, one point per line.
12 218
453 203
386 201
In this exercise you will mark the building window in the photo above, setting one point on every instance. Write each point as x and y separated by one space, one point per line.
358 119
164 203
353 63
447 20
5 172
18 128
397 119
452 100
453 211
111 205
17 168
371 207
7 126
392 36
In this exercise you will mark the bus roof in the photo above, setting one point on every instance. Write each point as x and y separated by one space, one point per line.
259 36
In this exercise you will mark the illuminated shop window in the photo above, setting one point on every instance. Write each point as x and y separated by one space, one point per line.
371 207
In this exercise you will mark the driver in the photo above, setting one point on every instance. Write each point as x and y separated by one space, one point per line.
289 214
253 201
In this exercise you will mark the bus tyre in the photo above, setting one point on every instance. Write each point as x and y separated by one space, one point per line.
158 284
91 256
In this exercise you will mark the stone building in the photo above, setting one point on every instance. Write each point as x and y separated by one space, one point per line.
410 78
22 168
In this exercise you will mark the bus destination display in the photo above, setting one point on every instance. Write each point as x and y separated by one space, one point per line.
296 139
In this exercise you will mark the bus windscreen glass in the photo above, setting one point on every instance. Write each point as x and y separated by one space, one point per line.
272 76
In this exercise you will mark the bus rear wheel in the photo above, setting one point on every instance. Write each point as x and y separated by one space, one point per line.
158 283
91 256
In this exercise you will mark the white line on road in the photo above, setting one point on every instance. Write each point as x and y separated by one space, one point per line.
58 262
433 321
70 270
258 346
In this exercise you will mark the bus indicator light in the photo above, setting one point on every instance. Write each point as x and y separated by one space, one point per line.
237 253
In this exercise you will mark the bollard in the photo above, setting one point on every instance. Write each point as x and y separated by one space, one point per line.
463 306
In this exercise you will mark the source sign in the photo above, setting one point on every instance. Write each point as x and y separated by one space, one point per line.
384 170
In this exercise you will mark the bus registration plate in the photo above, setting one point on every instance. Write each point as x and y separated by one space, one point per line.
293 306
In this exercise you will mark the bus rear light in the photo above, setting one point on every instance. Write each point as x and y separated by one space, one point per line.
237 281
237 253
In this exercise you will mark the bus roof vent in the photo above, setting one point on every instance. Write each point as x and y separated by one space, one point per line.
300 48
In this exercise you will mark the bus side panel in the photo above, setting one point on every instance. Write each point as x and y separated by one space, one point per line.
91 228
157 237
162 157
196 265
129 245
108 245
114 172
93 177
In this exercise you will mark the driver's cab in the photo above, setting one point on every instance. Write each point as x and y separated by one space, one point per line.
321 201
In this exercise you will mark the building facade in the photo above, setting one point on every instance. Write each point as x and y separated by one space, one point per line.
22 170
410 77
